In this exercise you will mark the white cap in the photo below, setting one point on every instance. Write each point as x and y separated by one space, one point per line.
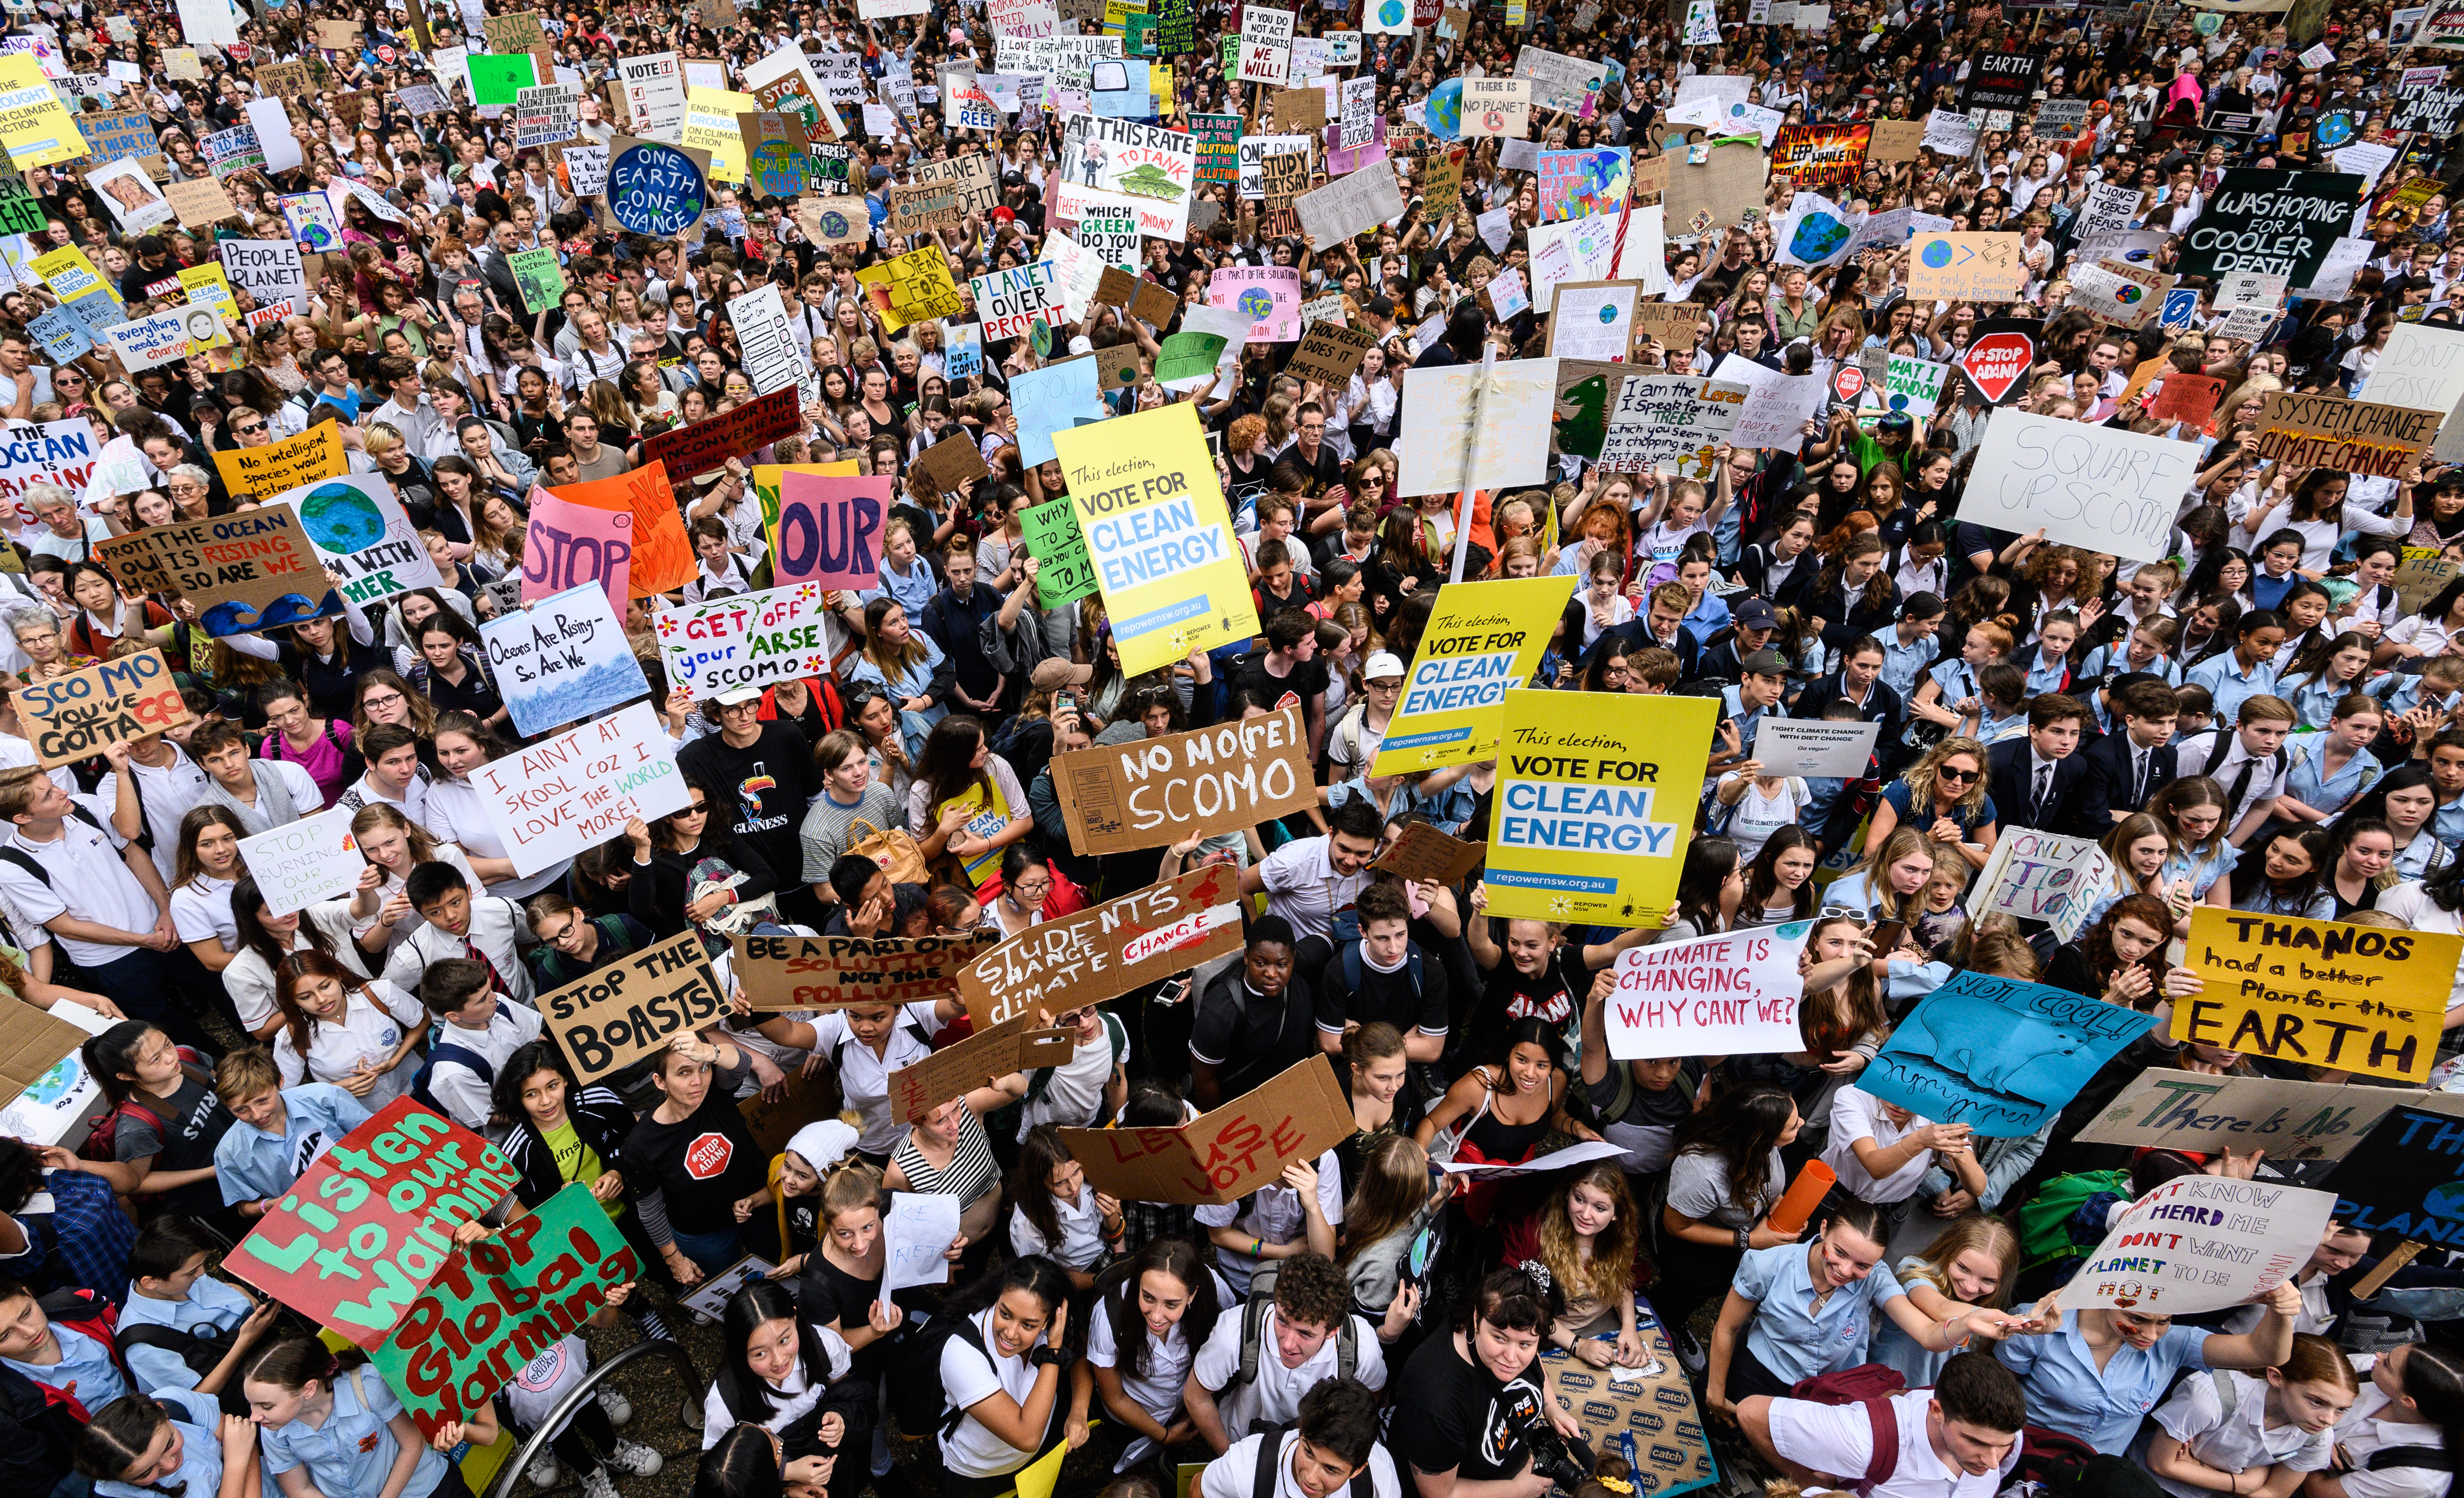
1384 663
735 696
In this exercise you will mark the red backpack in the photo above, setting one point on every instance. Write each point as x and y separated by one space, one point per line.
104 1137
2042 1452
85 1312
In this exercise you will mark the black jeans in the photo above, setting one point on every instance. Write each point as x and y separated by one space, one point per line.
587 1438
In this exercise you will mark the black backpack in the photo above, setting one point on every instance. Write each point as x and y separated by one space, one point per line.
1270 1451
1253 1336
918 1405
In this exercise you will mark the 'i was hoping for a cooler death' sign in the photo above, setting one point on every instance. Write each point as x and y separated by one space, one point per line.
2202 1243
1594 808
2279 222
1482 639
2320 992
552 799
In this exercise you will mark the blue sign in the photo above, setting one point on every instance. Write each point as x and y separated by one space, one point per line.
1998 1054
655 190
63 334
2180 307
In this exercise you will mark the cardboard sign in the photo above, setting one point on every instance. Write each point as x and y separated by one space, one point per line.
1956 267
1588 824
1895 141
1652 1408
72 718
1106 951
954 1070
2100 488
368 1224
2202 1243
2202 1113
1998 1054
1423 854
562 660
458 1343
248 571
2042 877
835 972
1675 324
551 799
45 1090
949 463
304 863
2304 431
629 1010
2405 1184
1729 995
1299 108
1222 1155
2118 293
2353 998
1155 792
2187 398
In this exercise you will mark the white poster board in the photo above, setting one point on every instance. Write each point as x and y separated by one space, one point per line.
2095 488
1729 995
562 795
300 862
2201 1243
915 1235
1813 746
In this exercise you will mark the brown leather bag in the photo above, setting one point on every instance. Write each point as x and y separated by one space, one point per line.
896 850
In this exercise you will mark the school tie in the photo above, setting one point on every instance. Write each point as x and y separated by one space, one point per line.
2044 782
2139 781
495 980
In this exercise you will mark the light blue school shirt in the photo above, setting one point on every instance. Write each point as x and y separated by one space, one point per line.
2043 678
2314 702
84 1362
200 1450
253 1164
209 1303
913 589
1903 663
2117 656
2067 1392
1733 704
341 1461
1707 617
2201 871
2330 793
2227 683
1787 1335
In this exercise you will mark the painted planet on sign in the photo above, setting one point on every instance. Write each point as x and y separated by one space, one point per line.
1391 13
1936 254
834 224
2130 295
1608 311
1257 302
2446 1201
655 190
1444 110
339 518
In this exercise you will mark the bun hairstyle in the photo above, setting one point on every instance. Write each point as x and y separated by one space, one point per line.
744 1463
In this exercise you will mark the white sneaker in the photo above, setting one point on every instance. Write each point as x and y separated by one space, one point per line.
619 1408
545 1472
635 1460
596 1483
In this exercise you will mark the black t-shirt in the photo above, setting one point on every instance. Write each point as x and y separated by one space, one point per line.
768 783
1469 1423
703 1167
1398 998
1306 684
831 1297
1250 1039
193 1122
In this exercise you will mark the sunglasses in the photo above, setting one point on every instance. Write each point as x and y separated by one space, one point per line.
1946 773
254 425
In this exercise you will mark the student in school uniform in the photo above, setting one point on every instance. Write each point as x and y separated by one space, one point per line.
344 1430
176 1314
279 1131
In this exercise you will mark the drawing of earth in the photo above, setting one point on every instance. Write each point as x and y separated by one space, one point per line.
1257 302
1608 311
2444 1201
1392 13
1818 235
1443 114
1937 252
2130 295
339 518
834 224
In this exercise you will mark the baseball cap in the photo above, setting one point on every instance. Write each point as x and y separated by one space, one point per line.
738 696
1763 663
1756 614
1383 663
1057 672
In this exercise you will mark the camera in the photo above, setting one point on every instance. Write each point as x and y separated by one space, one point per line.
1551 1459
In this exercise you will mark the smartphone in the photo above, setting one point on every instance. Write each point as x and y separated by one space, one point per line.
1888 935
1173 992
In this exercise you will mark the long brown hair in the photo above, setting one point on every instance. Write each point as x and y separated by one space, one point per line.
1608 1275
291 974
184 866
1393 1187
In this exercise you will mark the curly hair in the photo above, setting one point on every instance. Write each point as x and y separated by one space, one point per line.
1607 1274
1309 1289
1919 775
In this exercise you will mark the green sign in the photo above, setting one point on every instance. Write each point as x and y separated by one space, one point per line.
1064 572
540 278
499 78
1188 356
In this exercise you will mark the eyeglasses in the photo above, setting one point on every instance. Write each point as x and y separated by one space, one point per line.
380 699
1033 889
1946 773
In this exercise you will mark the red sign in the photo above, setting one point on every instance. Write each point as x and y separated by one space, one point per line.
707 1157
1998 362
1848 383
385 55
1425 12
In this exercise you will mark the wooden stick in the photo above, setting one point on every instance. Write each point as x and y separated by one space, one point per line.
2371 1282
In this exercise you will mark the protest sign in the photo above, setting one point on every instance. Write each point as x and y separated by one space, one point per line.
143 342
2280 222
657 189
1913 386
1813 747
2407 1183
1158 535
833 972
34 125
628 1010
1219 142
954 1070
1560 82
1777 406
1966 267
826 530
269 270
2203 1113
302 863
562 659
948 463
1221 1156
124 135
2202 1243
1496 106
362 536
1155 792
551 799
566 545
1351 205
1122 164
1729 995
1330 352
506 1300
1581 183
662 559
1673 323
1064 574
2421 368
1593 815
917 1236
1998 1054
1443 451
370 1224
2118 293
1269 295
45 1089
2353 998
2041 876
2102 488
1820 155
278 465
915 287
1481 640
545 115
1594 319
73 716
60 452
1011 302
1109 950
2305 431
1423 854
747 639
246 571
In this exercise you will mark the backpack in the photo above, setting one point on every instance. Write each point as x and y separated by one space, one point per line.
2045 1233
1354 968
1870 1385
17 856
1270 1451
93 1314
422 1090
1040 1079
102 1141
918 1405
1253 1336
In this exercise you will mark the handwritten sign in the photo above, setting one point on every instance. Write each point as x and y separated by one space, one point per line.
2353 998
749 640
834 972
1155 792
278 465
568 546
1105 952
1729 995
1966 267
562 659
629 1010
551 799
362 536
2099 488
2290 1120
248 571
1222 1155
72 718
302 863
827 528
2407 1183
948 1072
2304 431
2043 876
2001 1055
2201 1243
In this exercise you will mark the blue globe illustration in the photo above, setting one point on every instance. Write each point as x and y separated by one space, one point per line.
339 518
1818 235
1608 311
1898 403
655 190
2335 129
1392 13
834 223
1443 115
2446 1200
1937 253
1257 302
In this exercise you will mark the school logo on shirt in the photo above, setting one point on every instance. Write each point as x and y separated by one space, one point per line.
311 1145
368 1442
708 1155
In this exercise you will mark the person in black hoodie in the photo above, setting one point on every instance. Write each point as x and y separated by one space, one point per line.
687 852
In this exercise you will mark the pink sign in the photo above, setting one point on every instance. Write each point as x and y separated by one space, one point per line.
830 530
569 544
1270 294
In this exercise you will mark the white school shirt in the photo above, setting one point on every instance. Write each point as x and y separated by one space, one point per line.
1274 1396
864 1078
1857 1115
1082 1234
2362 1432
200 910
165 796
801 1395
1273 1213
2195 1416
250 981
367 1030
1839 1438
1157 1391
456 812
85 865
969 1377
447 852
1074 1093
1233 1474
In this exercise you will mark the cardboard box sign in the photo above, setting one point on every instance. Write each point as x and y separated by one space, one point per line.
835 972
73 716
1223 1156
1424 853
1157 792
631 1010
1105 952
1656 1410
953 1069
2290 1120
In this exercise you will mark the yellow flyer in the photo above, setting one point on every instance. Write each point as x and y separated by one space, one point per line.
915 287
1595 798
1483 638
34 125
206 288
1158 535
710 123
2352 998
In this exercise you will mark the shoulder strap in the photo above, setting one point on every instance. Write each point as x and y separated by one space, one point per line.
2228 1393
28 862
1347 1345
2217 751
1270 1445
1253 1333
1884 1419
447 1051
2431 1458
1117 1033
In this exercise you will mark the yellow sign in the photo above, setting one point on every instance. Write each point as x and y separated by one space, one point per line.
69 274
1595 797
915 287
35 127
1144 490
2320 992
262 472
1482 639
710 124
207 287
